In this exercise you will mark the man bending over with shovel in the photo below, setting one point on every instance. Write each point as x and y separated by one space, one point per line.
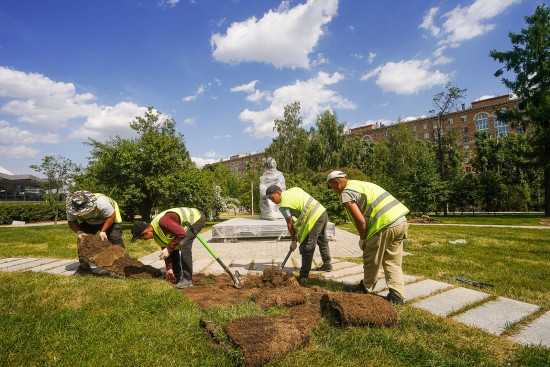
167 229
310 227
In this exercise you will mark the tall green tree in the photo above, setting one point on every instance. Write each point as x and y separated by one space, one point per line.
152 171
290 147
59 172
326 143
444 102
529 60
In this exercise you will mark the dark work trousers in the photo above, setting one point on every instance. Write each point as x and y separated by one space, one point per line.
317 236
182 259
114 234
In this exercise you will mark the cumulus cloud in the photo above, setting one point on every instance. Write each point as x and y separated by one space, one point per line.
10 134
198 93
201 162
284 37
314 97
407 77
254 95
190 121
428 22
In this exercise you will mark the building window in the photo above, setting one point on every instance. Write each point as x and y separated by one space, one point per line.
464 129
468 169
416 136
376 135
467 160
482 122
386 133
463 118
426 135
415 128
425 125
501 128
451 129
521 131
367 139
466 148
465 139
450 121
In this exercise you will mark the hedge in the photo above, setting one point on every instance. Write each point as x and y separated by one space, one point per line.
29 212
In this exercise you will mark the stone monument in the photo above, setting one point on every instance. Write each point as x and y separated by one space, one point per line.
268 209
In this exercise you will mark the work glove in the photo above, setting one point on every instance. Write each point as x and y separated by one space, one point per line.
362 244
81 235
293 245
103 236
164 253
170 277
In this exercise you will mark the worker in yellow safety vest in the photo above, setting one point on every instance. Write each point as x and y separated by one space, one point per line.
89 213
169 230
309 228
380 220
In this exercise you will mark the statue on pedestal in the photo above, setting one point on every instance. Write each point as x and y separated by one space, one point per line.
271 176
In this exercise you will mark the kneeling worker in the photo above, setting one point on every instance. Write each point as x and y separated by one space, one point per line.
382 226
167 229
310 227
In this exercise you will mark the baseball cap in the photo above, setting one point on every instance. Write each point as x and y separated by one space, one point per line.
270 191
137 229
336 174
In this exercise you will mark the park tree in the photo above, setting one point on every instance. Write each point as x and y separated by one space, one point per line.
290 147
529 62
59 173
150 172
326 142
443 103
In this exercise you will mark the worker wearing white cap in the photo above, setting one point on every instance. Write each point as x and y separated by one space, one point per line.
380 220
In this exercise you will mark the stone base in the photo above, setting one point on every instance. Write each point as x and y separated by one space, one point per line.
234 229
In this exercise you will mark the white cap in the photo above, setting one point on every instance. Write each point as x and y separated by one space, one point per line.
336 174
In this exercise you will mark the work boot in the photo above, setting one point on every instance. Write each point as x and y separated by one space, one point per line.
393 298
324 267
184 283
83 269
357 288
302 280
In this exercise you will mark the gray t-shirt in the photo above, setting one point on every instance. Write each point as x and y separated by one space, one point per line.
361 200
99 215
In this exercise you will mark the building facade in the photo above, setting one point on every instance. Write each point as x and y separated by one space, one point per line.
481 116
20 188
241 163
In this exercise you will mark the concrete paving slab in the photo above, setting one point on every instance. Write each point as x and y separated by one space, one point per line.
31 264
350 279
60 269
201 264
335 274
256 228
52 265
536 333
240 265
214 268
8 259
495 316
159 264
421 289
450 301
262 264
16 262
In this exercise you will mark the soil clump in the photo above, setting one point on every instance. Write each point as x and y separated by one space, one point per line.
114 259
358 309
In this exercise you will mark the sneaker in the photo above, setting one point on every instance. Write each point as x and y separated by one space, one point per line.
184 283
357 288
393 298
324 267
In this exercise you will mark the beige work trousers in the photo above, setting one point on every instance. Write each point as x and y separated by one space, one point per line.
386 249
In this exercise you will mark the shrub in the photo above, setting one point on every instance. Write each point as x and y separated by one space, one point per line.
27 212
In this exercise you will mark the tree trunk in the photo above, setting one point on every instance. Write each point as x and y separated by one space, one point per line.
547 191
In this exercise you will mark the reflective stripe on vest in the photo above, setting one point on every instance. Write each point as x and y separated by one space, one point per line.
309 208
118 217
190 215
381 208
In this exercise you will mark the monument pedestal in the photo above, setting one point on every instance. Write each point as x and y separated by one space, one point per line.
247 228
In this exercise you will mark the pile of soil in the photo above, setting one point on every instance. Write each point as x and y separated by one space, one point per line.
262 338
358 309
422 219
114 259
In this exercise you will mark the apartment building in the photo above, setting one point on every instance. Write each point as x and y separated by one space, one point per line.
239 164
480 116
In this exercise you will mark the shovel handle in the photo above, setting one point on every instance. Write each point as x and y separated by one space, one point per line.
286 258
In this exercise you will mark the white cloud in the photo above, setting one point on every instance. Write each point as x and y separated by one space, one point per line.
168 3
199 92
407 77
487 96
211 154
247 88
371 57
314 98
283 38
190 121
254 95
201 162
10 134
465 23
18 151
428 22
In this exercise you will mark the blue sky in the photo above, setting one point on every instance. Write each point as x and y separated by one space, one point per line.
225 69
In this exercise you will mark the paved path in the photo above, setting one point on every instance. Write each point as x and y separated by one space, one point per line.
470 307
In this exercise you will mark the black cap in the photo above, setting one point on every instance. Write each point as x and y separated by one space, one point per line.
270 191
137 229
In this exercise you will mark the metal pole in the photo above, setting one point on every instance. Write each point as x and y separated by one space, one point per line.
252 201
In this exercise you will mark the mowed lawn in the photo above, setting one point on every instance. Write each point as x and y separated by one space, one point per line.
50 320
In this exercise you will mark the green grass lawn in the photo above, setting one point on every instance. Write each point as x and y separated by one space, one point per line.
524 219
50 320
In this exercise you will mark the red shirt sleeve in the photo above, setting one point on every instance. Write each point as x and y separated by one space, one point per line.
170 224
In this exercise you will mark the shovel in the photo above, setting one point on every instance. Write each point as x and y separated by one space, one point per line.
286 258
237 281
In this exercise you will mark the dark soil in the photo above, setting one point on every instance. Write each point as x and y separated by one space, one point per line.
262 338
114 259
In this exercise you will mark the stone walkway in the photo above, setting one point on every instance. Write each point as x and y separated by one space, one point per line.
468 306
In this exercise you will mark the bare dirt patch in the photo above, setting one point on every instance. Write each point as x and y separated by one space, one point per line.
262 338
114 259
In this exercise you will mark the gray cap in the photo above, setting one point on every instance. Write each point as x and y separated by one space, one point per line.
336 174
270 191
